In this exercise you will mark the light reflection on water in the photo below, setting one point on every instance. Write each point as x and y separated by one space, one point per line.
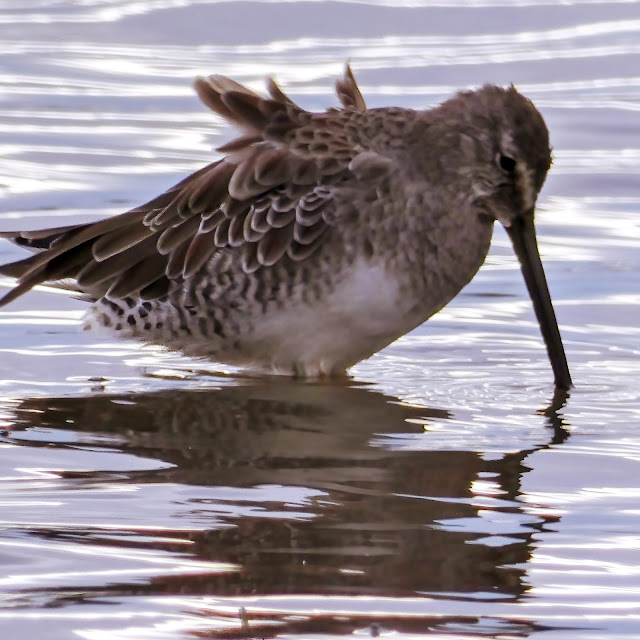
279 479
436 494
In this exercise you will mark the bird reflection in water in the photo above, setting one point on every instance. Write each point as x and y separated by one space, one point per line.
377 526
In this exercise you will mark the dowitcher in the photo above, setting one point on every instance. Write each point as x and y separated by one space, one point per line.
318 238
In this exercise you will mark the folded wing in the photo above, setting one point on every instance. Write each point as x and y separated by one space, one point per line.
271 196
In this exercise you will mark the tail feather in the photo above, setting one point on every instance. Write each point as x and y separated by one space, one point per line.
38 239
35 270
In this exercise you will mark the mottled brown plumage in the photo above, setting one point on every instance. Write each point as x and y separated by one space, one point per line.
318 238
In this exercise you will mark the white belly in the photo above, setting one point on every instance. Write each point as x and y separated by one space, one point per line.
361 316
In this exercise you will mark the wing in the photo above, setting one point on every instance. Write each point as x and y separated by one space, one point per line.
270 198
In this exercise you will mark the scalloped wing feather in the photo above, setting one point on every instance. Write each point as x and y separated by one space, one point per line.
269 198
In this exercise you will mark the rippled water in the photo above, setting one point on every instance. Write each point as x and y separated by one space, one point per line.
148 496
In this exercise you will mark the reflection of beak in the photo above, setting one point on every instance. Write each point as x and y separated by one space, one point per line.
523 237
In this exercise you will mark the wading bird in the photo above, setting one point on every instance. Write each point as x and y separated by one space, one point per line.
318 238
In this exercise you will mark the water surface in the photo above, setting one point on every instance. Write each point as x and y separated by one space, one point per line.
146 495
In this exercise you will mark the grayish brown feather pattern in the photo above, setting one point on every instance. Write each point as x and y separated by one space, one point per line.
263 198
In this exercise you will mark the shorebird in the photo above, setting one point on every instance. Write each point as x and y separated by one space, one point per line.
317 238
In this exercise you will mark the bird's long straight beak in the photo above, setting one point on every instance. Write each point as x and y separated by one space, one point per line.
523 237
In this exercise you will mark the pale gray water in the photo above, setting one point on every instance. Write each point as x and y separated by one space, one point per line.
143 496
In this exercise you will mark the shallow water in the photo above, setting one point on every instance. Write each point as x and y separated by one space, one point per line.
145 495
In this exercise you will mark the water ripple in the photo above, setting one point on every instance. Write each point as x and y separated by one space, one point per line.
446 490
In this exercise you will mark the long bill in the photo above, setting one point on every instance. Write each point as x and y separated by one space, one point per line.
523 237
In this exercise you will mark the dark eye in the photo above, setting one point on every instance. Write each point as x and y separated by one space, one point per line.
506 163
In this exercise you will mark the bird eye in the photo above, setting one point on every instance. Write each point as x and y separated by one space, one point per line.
506 163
